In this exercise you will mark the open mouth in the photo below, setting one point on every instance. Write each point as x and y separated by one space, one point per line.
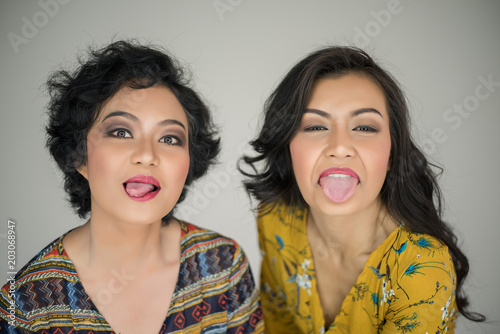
142 188
338 184
136 189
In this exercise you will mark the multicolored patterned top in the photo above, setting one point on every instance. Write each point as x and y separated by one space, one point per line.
407 284
215 292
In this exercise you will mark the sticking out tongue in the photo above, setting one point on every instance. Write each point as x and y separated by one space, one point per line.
136 189
338 188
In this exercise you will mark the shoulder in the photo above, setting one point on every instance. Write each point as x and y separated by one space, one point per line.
414 264
408 253
195 238
423 267
280 218
426 256
200 243
282 233
28 289
418 247
52 257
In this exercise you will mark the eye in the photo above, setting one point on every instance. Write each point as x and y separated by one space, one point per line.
120 133
315 128
170 140
365 128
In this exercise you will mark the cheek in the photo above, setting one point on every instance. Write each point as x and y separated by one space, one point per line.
93 158
302 160
104 161
295 154
94 144
379 157
98 157
385 153
179 167
184 168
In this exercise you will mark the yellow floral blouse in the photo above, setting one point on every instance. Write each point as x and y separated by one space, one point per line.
407 284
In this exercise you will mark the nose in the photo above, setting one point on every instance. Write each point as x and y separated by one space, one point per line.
144 153
340 144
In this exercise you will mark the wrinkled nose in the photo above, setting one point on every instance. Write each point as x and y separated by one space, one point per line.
340 145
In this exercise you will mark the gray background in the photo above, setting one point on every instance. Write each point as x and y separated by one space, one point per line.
441 52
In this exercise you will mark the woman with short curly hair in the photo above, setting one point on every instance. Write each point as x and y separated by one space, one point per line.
130 136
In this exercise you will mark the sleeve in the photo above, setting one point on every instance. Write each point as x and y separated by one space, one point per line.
277 315
11 318
423 300
244 310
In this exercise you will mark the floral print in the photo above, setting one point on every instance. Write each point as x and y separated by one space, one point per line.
407 284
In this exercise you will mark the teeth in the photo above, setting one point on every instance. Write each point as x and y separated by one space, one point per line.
339 175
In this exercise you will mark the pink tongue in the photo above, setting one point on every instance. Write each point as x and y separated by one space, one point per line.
338 189
138 189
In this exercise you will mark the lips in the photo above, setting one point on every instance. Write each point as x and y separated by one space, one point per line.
338 184
142 188
339 171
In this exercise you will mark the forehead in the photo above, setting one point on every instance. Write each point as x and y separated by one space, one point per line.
347 93
156 99
128 96
133 97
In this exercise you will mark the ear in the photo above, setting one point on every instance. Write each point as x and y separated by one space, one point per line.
83 170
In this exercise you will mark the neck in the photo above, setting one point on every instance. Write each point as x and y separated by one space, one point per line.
353 235
107 244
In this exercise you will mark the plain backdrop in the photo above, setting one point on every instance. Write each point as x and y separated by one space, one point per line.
446 54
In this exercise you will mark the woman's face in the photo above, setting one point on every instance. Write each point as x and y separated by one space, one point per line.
340 152
137 156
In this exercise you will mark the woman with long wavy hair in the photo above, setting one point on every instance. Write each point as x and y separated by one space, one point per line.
349 212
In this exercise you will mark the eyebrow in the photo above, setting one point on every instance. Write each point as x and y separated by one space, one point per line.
135 119
353 114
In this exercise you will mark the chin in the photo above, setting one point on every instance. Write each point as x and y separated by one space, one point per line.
330 208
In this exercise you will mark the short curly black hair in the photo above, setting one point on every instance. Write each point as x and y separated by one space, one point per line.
76 98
